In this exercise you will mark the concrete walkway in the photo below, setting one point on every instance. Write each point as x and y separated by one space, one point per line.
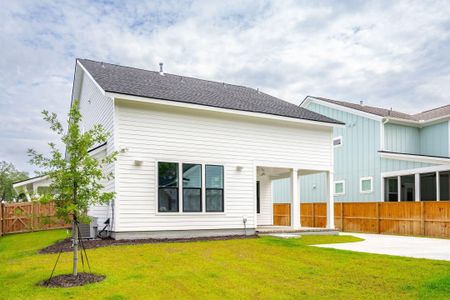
416 247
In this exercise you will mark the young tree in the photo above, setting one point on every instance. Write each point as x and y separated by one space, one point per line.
76 176
8 175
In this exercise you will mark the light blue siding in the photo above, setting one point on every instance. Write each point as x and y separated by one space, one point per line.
434 139
401 138
388 165
358 156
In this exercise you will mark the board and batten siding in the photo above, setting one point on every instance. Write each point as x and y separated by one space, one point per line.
96 108
434 139
401 138
357 157
153 133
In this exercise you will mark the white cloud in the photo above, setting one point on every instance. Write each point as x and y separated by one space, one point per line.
391 54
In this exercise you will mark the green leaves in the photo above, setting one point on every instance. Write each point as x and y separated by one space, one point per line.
8 175
77 177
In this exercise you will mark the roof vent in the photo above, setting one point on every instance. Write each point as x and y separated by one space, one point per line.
161 71
361 102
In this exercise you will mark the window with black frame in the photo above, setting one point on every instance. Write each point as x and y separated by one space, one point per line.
214 188
167 187
192 187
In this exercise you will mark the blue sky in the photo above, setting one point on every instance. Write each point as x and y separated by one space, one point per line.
386 53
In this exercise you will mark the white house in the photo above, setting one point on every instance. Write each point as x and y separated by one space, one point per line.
196 150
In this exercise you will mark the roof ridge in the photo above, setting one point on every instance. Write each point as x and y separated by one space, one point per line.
182 76
439 107
414 116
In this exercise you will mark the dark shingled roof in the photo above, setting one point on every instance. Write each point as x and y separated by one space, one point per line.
151 84
383 112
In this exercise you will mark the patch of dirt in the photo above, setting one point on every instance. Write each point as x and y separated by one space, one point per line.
68 280
66 245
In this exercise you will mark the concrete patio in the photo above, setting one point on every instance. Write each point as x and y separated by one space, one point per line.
416 247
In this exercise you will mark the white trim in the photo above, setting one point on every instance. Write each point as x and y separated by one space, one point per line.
220 110
415 158
295 200
330 200
338 138
343 187
371 185
416 171
31 180
91 77
419 123
448 129
417 187
438 187
305 167
98 150
342 108
399 188
115 222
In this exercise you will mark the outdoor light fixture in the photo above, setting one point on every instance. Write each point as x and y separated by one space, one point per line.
239 168
138 162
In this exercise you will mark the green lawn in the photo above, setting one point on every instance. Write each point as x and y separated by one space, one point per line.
264 268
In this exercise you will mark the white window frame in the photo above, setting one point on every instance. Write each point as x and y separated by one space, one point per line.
180 188
371 185
338 138
343 188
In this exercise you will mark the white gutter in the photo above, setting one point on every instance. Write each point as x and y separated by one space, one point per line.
415 158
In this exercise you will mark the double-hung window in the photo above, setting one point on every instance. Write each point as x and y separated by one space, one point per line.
168 187
192 187
214 188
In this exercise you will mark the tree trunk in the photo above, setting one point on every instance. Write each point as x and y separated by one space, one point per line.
75 247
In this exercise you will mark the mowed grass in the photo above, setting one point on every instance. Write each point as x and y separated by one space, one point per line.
263 268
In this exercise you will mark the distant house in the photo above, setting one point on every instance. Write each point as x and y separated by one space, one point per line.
31 186
381 155
201 154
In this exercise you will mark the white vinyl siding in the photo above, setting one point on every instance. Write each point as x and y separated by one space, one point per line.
265 217
96 109
154 133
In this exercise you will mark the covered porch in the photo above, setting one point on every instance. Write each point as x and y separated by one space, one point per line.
286 217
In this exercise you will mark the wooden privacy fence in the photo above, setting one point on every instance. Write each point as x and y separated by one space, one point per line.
28 216
430 219
281 214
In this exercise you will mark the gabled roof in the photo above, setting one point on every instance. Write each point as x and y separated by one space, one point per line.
150 84
435 113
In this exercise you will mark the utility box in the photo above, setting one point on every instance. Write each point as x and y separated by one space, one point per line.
88 231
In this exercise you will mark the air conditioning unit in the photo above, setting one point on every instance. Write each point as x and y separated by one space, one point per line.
89 231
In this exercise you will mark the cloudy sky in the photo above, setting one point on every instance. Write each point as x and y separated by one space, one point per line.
393 53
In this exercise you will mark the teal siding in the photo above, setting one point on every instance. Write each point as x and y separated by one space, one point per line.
400 138
389 165
434 139
358 156
281 190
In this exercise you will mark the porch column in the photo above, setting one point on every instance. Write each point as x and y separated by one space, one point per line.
330 200
295 202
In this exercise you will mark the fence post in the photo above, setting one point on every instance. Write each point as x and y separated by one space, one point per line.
342 216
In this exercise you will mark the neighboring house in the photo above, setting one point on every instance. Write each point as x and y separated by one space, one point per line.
32 186
381 155
196 150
